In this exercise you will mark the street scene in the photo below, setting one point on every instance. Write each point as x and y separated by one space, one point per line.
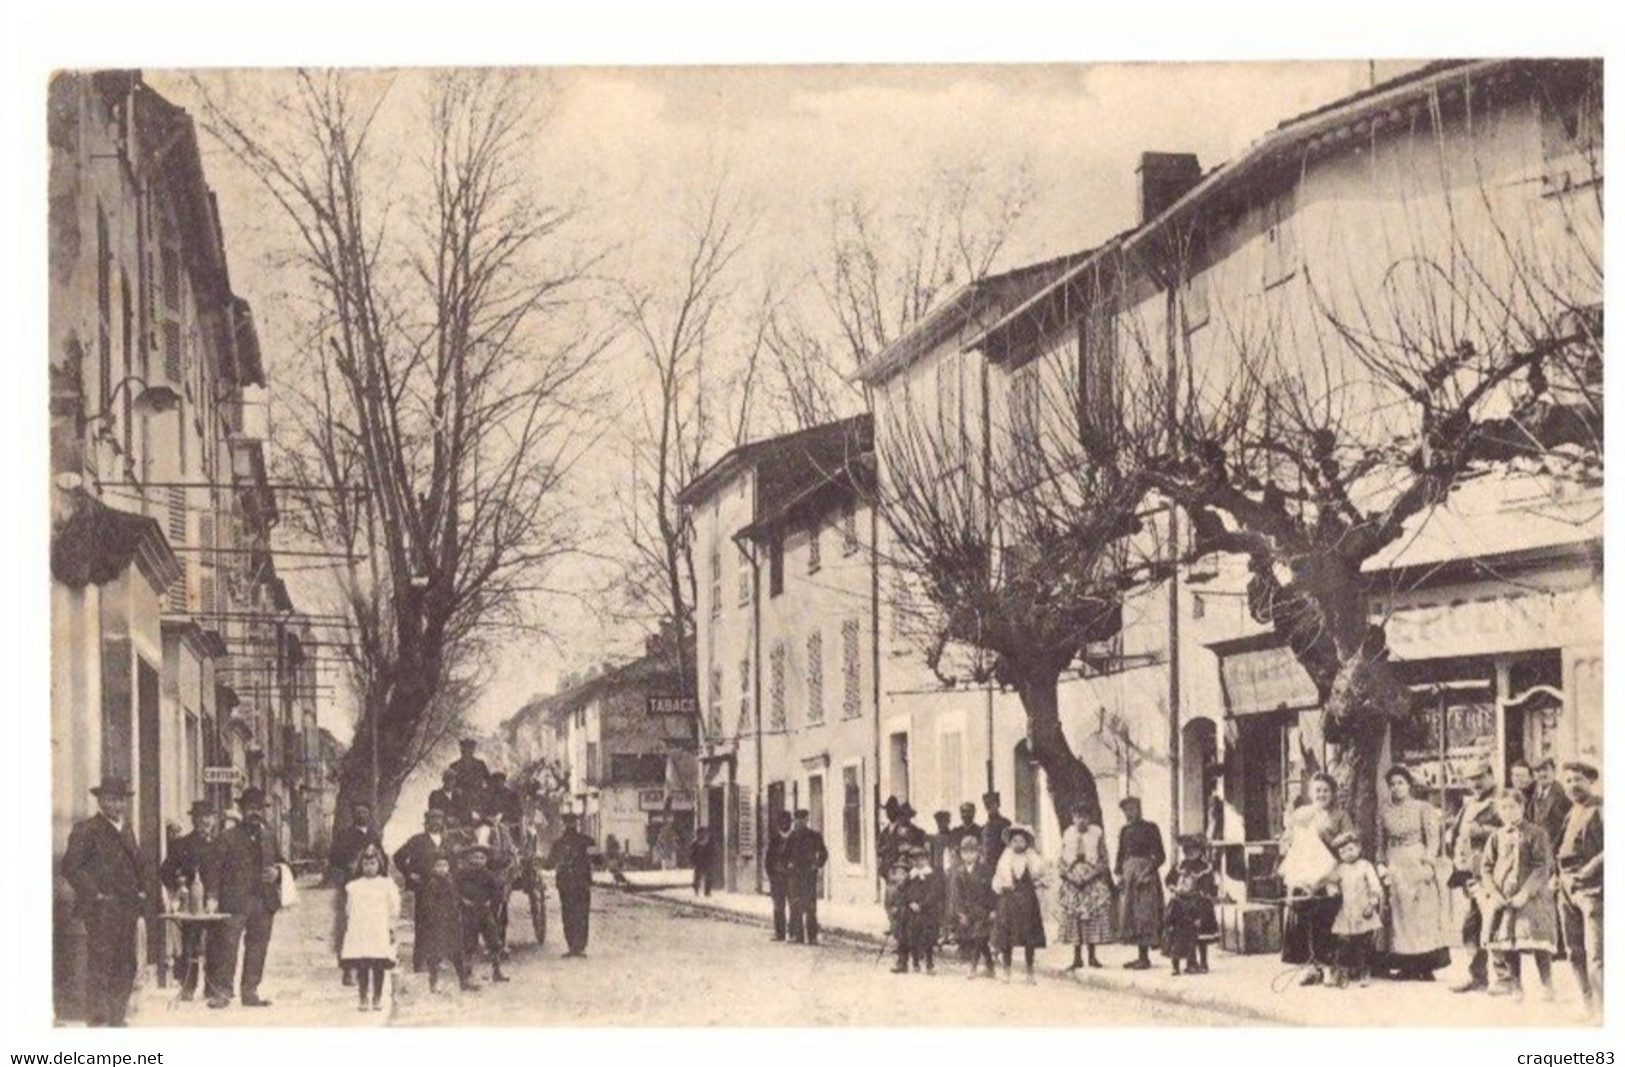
809 546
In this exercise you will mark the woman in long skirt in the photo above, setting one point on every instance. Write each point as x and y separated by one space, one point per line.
1140 856
1306 937
1019 920
1410 859
1085 893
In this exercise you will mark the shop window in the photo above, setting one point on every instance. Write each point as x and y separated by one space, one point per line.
1452 730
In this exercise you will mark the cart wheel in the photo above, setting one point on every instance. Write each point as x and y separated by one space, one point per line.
538 916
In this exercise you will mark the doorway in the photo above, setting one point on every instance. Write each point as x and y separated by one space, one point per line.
1199 778
716 812
815 819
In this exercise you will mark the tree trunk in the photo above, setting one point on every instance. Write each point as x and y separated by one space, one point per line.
1365 699
1070 782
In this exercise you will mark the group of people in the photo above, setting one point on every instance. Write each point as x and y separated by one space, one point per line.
1528 857
978 887
460 870
230 882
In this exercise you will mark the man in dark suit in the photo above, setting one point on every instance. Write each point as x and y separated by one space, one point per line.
414 860
472 777
968 826
444 799
778 875
804 857
1549 809
190 866
247 859
349 842
571 860
109 878
993 830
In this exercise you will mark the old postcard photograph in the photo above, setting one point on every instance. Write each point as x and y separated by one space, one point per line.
1108 544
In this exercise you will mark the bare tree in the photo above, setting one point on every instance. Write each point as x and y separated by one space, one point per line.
885 271
1345 409
439 413
1021 553
704 372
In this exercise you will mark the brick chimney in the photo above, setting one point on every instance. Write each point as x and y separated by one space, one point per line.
1164 177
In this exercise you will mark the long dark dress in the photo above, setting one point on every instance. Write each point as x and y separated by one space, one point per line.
572 863
1140 857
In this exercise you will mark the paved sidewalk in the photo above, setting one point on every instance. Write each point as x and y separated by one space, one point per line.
302 980
1257 988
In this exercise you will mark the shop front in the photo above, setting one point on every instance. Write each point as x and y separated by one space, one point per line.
1500 671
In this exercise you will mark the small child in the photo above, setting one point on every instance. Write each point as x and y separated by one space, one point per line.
1359 915
479 894
372 904
1191 922
437 924
1516 898
974 906
896 925
921 905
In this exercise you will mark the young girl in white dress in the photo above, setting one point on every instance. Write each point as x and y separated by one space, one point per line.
372 905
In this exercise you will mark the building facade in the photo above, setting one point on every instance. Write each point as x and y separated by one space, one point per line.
161 510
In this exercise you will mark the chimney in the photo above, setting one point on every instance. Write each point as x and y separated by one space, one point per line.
1164 177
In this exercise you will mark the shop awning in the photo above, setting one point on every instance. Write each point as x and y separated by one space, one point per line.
1260 681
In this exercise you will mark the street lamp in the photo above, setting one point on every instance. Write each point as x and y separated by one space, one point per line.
151 400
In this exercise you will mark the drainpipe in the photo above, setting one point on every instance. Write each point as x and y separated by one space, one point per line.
748 547
874 640
1173 324
987 528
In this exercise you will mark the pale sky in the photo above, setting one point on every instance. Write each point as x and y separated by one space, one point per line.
634 145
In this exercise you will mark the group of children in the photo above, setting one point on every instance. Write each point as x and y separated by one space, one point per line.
457 913
983 908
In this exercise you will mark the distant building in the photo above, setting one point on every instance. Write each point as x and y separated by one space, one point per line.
617 749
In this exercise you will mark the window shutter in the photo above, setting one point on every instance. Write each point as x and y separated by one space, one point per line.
176 529
815 677
776 668
851 669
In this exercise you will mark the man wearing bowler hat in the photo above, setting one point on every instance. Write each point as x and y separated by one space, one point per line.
190 867
109 878
248 860
1477 822
804 856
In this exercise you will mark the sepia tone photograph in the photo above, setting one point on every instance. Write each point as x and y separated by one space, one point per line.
870 545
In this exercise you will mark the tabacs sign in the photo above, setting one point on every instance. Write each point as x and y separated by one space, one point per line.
673 706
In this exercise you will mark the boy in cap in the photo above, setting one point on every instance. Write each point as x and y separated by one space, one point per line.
1520 916
104 866
479 890
437 923
920 905
974 906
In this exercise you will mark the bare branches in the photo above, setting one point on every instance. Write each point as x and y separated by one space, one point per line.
445 373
